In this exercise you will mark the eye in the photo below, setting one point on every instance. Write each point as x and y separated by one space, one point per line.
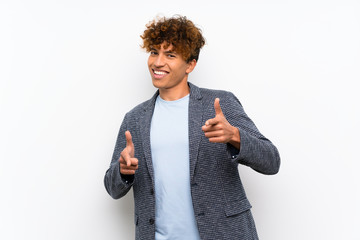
171 55
153 53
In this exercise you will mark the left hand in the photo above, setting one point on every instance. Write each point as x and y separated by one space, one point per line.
219 130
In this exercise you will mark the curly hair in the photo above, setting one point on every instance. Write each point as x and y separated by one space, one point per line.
184 36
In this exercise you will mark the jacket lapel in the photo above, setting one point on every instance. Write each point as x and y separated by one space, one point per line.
195 123
145 125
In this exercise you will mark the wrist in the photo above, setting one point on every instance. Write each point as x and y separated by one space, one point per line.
235 139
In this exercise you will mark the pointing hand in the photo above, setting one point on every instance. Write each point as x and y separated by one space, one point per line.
219 130
128 163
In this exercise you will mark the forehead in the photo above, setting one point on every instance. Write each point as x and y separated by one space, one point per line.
163 46
168 49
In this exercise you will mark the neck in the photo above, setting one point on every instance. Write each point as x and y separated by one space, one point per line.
172 94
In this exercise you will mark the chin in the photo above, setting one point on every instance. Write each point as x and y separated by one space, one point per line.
156 83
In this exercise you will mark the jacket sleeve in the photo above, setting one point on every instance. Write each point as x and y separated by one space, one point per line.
256 151
116 184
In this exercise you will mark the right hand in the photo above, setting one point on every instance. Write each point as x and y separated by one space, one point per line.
128 163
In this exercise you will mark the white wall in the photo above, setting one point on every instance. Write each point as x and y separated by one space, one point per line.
70 70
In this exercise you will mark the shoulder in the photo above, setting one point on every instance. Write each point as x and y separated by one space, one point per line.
211 94
206 92
140 108
228 101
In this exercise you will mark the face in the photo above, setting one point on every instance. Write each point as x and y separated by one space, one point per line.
169 71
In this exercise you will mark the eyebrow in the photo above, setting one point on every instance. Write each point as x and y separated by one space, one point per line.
154 49
173 52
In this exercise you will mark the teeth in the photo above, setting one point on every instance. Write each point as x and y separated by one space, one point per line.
159 73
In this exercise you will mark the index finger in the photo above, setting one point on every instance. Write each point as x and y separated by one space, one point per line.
212 121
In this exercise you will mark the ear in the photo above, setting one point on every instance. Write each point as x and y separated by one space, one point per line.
191 66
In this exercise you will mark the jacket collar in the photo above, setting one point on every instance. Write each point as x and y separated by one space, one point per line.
194 94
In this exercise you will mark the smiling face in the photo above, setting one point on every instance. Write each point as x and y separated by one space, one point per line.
169 72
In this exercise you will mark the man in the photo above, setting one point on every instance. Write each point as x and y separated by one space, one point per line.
180 149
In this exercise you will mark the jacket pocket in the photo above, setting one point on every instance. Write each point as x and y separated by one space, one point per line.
236 207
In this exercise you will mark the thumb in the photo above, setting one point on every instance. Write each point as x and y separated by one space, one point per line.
217 107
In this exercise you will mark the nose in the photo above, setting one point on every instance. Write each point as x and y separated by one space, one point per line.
159 61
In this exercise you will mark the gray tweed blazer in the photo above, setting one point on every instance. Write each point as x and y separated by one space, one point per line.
222 210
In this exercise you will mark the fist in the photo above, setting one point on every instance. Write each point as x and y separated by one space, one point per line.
219 130
128 163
